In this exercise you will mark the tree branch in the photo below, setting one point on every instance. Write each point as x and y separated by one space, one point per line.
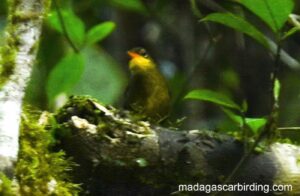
120 156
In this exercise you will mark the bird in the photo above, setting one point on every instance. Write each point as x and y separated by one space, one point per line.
147 93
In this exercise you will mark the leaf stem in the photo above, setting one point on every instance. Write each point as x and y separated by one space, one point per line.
64 28
245 131
196 11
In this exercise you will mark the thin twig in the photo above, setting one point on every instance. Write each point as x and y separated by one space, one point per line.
276 68
288 128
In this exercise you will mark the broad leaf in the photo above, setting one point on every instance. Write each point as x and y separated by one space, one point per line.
234 117
273 12
99 32
239 24
102 78
65 75
213 97
73 25
254 123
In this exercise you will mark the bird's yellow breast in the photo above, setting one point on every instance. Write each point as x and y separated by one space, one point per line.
140 63
147 93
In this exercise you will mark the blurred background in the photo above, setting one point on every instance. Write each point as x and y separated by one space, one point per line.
191 54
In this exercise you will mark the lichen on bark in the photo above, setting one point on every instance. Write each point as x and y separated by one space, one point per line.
17 57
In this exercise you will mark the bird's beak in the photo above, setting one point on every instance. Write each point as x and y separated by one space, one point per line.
133 54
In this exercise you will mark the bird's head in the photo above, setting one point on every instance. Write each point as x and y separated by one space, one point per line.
140 60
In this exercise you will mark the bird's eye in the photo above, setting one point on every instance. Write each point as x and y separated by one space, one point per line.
143 53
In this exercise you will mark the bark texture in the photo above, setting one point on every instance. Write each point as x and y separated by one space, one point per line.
120 156
22 37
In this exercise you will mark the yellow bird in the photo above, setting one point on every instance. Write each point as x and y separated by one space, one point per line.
147 93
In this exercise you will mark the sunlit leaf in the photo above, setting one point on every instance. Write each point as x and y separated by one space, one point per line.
65 75
213 97
99 32
73 25
239 24
253 123
273 12
256 123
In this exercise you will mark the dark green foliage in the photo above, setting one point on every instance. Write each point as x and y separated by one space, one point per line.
230 108
275 14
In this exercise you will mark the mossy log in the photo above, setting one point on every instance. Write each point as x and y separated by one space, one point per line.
117 155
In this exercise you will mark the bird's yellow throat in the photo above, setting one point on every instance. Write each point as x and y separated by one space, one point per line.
139 63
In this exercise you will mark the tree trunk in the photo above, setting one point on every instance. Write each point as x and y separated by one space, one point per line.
17 58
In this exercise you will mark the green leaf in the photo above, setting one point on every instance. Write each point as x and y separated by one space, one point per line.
73 25
213 97
102 78
235 118
64 75
253 123
239 24
131 5
273 12
276 89
99 32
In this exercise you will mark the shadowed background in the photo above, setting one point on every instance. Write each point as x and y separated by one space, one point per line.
191 54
